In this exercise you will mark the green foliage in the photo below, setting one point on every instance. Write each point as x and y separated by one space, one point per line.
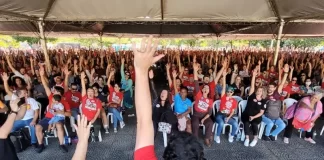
303 42
8 41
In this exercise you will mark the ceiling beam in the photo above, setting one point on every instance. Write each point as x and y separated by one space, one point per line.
274 8
17 15
48 9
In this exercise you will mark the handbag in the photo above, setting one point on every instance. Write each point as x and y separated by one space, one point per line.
164 126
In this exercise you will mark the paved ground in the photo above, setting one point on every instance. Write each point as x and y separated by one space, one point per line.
120 146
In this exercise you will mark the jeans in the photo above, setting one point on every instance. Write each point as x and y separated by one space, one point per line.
23 123
116 116
75 112
220 120
270 123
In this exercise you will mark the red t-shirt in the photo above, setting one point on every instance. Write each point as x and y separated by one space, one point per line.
212 86
294 89
202 104
73 98
322 86
191 87
145 153
90 107
64 103
272 75
114 96
132 73
265 81
285 92
227 105
185 79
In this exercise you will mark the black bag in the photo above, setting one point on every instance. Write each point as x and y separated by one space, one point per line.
273 109
20 139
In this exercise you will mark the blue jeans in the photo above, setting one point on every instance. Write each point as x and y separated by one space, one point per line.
270 123
220 120
75 112
116 116
23 123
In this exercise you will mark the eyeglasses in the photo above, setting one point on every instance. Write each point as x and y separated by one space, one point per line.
230 92
73 89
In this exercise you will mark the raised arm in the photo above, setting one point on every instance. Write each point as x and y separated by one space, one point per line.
5 83
234 74
66 78
224 83
168 74
44 81
252 87
109 79
122 72
174 76
83 86
143 59
284 78
220 72
152 86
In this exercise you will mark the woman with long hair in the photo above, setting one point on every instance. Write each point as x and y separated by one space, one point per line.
127 86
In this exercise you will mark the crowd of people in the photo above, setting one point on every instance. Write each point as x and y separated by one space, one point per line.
205 89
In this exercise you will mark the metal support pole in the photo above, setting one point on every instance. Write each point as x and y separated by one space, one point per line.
44 46
282 22
101 43
271 44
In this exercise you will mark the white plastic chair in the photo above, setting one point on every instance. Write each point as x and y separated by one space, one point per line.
237 98
111 115
316 88
322 130
242 106
172 105
261 130
247 89
99 135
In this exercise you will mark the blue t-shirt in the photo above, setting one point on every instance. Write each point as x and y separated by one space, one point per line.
181 106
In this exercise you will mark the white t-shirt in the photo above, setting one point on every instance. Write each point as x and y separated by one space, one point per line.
58 106
32 105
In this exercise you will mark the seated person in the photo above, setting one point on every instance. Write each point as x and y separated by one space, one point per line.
91 107
162 111
114 103
31 115
182 106
43 124
226 112
56 106
203 109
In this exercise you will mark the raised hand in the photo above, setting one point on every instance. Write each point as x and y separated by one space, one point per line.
167 66
144 57
83 129
174 74
41 70
286 68
195 66
83 75
4 76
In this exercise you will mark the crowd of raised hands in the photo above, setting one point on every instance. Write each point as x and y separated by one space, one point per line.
104 80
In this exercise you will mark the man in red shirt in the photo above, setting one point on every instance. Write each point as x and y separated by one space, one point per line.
144 147
73 97
43 124
90 107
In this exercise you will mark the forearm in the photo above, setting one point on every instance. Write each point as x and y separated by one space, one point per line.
35 115
145 131
81 150
7 126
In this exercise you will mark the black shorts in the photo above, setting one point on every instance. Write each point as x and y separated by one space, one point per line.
44 122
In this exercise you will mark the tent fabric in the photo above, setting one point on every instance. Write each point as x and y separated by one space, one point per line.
155 16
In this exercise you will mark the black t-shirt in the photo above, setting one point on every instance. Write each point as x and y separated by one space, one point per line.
253 107
103 90
7 150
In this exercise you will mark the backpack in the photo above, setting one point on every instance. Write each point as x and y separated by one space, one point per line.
273 109
20 139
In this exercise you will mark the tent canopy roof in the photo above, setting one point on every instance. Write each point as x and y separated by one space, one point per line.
163 17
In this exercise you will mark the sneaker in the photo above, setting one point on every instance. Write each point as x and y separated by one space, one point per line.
40 148
217 139
253 143
273 138
115 130
286 140
266 138
246 142
63 148
310 140
106 131
230 139
122 125
35 145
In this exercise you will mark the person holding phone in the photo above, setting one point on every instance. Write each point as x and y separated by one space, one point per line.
7 149
31 116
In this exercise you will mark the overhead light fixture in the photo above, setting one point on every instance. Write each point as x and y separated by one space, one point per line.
147 17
